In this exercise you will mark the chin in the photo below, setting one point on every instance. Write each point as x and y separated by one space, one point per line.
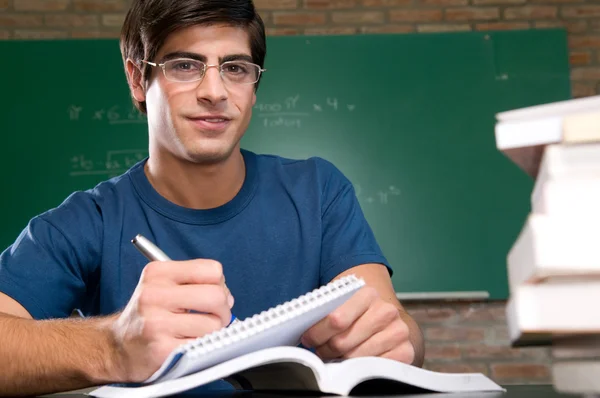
209 155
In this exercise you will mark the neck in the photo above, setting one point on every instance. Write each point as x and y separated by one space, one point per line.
193 185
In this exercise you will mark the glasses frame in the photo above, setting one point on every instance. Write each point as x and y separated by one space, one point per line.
206 68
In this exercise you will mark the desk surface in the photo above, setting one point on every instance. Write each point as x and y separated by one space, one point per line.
513 391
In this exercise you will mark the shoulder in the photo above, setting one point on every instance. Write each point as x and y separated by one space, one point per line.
315 169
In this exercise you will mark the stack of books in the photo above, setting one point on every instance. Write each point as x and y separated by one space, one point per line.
554 264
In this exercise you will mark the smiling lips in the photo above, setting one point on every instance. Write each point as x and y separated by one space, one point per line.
213 123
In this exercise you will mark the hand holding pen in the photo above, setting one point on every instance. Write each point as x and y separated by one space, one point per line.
153 253
174 303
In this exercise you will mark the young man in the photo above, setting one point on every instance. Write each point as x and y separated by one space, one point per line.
259 228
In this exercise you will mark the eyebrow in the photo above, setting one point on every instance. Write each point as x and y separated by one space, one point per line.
202 58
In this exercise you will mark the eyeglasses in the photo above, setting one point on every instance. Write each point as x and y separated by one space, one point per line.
185 70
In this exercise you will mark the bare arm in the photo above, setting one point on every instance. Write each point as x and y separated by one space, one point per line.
41 357
50 356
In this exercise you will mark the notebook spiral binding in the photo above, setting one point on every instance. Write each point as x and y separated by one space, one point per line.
272 317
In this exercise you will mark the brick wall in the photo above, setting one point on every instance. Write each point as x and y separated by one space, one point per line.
461 337
473 337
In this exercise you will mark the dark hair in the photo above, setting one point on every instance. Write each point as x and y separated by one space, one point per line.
149 22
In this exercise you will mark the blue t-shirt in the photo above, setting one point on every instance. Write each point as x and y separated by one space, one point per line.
293 226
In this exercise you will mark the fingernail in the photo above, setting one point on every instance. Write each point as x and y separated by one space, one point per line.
230 301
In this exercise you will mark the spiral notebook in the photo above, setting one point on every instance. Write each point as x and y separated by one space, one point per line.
282 325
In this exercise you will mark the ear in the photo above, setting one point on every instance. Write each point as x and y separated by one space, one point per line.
135 80
254 98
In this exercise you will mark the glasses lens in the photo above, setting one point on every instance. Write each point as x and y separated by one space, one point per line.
240 72
184 70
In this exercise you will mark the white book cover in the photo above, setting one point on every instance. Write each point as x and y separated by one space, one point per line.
558 108
298 369
538 314
566 162
574 198
553 246
577 377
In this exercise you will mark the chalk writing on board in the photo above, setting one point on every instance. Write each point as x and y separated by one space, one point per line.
112 115
292 111
115 163
381 196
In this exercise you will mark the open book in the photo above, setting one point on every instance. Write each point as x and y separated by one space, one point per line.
261 352
297 369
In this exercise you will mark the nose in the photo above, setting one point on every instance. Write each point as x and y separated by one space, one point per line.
211 88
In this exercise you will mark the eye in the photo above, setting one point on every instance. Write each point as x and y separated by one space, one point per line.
235 68
184 66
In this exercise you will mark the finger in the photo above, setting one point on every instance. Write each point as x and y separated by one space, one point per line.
404 353
340 319
193 325
210 299
198 271
378 317
387 340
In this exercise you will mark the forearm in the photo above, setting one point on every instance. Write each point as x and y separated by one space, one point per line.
41 357
415 337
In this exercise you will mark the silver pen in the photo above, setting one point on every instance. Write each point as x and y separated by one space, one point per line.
149 249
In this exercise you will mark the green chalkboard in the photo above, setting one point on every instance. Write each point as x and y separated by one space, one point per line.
408 118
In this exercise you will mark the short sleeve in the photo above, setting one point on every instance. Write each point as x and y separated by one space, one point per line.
347 237
47 268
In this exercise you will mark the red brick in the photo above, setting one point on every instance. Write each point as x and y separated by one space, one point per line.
442 352
358 17
472 13
520 371
5 34
40 34
339 30
582 11
276 4
578 58
457 367
282 32
531 12
429 315
443 3
503 352
497 2
416 15
570 26
385 3
265 16
490 312
584 41
41 5
556 1
114 20
90 34
502 26
429 28
4 4
299 18
455 333
598 57
70 20
388 29
21 20
100 5
594 25
583 89
329 4
585 73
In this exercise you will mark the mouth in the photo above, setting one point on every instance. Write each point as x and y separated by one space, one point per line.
210 123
